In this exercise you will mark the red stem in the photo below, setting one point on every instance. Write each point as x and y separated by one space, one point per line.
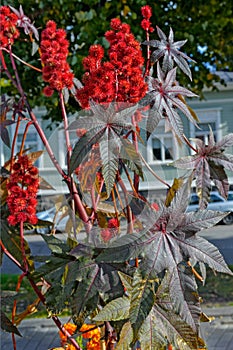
147 70
135 141
19 86
11 257
6 70
14 140
129 212
66 131
22 61
23 248
189 144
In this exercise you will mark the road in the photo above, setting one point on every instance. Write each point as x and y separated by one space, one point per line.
220 235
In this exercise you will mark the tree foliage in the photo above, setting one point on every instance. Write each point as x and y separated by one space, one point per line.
207 27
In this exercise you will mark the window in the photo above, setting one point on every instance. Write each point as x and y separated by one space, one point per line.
62 150
162 147
30 142
203 132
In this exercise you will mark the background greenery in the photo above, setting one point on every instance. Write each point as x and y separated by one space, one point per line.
207 26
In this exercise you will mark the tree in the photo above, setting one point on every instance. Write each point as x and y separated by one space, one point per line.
206 25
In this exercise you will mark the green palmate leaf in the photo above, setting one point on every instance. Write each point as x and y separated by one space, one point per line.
126 281
56 245
53 268
7 325
94 282
12 242
130 157
115 310
126 337
150 336
87 288
170 325
142 301
109 151
164 324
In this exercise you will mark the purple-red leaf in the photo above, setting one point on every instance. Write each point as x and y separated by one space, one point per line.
209 164
170 51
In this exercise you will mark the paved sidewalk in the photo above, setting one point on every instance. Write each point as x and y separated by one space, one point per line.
42 334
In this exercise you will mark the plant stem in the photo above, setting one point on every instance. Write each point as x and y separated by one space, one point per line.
24 137
19 86
189 144
23 248
6 70
147 70
153 173
66 131
135 142
22 61
129 212
10 256
14 140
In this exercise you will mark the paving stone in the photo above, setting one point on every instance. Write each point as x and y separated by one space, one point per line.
42 334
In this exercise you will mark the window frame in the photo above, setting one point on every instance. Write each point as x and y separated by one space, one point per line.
160 135
207 116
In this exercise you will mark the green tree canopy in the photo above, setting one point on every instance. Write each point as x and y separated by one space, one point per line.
207 26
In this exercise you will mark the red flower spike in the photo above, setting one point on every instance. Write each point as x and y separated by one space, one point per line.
146 11
145 23
22 188
121 78
54 51
8 32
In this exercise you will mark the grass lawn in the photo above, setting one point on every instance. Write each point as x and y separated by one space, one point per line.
218 289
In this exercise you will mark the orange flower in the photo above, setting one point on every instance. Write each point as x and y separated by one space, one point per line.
71 328
70 347
93 335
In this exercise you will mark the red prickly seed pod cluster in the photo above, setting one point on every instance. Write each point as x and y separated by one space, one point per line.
54 51
111 230
120 79
146 23
8 32
22 189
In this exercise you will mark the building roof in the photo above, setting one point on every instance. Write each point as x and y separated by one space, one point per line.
226 76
